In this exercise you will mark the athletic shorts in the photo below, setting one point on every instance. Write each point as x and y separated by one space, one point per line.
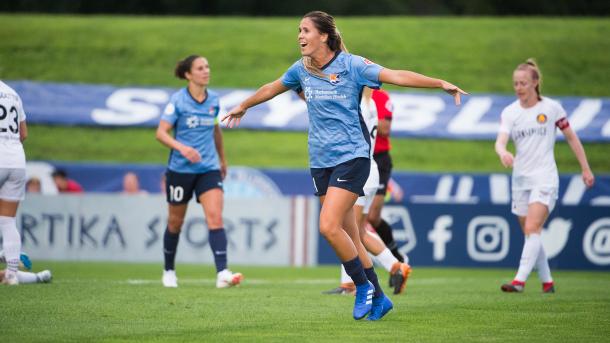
12 184
384 164
179 187
521 199
350 175
370 189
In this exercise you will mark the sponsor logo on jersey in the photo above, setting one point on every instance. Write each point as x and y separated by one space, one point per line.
367 61
333 78
541 118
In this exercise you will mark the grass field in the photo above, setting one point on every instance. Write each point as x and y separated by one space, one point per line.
281 149
479 54
110 302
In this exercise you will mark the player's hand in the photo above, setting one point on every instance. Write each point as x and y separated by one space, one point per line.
233 117
223 169
454 90
190 154
588 178
507 159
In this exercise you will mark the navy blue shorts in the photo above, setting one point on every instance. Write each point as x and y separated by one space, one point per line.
179 187
384 164
350 175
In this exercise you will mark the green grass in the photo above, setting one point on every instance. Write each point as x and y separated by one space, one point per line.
95 302
479 54
280 149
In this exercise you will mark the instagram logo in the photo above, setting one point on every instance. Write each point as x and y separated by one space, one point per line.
596 243
488 238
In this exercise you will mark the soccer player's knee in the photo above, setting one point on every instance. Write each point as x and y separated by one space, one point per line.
214 220
328 228
174 225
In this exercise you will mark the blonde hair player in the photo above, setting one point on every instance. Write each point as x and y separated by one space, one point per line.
531 122
331 81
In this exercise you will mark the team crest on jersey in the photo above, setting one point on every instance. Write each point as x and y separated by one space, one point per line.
333 78
541 118
367 61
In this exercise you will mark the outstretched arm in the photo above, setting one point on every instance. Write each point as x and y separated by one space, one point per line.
579 152
266 92
405 78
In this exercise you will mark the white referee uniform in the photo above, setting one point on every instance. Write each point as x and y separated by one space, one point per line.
369 114
12 156
533 131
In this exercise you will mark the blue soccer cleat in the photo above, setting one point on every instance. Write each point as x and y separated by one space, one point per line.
364 300
381 306
25 261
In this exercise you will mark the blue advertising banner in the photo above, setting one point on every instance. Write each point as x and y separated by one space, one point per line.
438 219
415 114
574 237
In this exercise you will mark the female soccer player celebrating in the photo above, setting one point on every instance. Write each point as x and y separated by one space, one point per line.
196 165
331 81
531 121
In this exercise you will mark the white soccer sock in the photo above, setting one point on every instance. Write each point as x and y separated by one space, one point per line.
531 250
344 277
542 264
26 277
386 259
11 242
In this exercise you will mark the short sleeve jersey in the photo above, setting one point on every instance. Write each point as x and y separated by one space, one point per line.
11 116
337 132
533 130
385 108
193 124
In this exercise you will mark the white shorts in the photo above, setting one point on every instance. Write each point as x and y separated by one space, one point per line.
521 199
370 188
12 184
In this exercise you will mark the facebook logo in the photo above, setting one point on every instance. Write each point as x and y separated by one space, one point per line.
439 236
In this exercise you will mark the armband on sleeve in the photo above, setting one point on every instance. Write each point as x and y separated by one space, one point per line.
562 123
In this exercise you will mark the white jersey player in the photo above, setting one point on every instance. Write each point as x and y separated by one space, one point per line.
399 272
531 122
13 131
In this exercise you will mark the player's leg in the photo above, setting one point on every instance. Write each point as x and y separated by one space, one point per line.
383 229
44 276
12 190
178 190
210 195
537 213
342 234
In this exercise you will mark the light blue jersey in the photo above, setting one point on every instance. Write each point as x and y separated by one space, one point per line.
337 132
193 124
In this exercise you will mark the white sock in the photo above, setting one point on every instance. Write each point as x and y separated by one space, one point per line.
344 277
531 250
386 259
11 242
542 264
26 277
